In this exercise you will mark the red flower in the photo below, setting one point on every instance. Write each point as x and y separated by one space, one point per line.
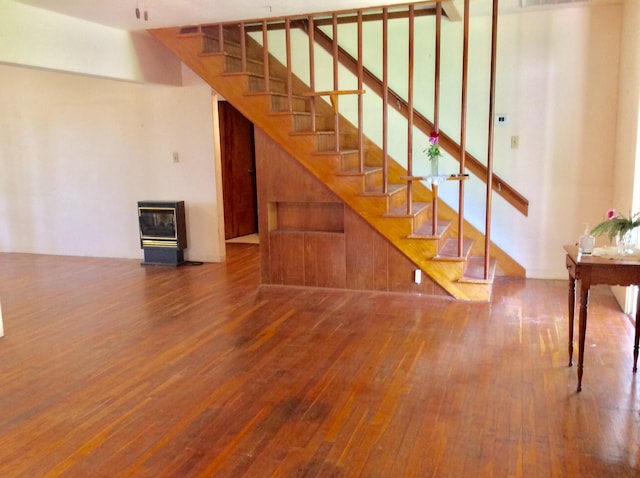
611 214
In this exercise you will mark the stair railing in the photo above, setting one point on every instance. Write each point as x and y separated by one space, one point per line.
310 25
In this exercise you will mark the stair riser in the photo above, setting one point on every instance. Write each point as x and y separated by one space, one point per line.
281 103
234 65
327 142
210 45
350 162
303 123
257 84
422 217
397 199
373 180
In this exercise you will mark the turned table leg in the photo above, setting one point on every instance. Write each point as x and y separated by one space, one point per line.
572 306
637 337
582 329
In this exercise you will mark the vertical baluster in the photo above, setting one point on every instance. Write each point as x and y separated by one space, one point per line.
410 112
492 91
243 47
265 56
385 98
312 72
360 98
436 85
436 112
287 29
220 38
463 125
336 121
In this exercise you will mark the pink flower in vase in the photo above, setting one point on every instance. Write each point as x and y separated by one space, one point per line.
433 151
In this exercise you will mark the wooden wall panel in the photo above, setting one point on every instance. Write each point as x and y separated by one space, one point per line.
310 216
361 264
287 257
325 260
284 178
310 238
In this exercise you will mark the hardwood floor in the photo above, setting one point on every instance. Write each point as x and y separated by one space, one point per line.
111 369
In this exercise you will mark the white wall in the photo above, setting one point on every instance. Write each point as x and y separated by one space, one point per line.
79 147
77 153
559 84
626 193
34 37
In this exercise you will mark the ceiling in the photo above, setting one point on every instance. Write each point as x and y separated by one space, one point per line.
163 13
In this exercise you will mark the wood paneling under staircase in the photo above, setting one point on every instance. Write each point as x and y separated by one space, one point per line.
285 120
308 237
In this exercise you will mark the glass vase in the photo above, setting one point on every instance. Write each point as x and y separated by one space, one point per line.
624 241
434 166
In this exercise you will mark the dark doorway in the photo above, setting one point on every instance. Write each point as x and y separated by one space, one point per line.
238 172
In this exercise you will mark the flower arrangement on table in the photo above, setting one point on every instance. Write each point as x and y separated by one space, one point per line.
433 151
619 227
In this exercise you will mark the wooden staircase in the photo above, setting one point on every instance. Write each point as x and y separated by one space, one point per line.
333 159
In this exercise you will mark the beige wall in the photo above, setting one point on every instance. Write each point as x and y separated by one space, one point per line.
34 37
77 153
626 169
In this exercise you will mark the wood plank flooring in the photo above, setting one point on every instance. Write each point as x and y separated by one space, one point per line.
112 369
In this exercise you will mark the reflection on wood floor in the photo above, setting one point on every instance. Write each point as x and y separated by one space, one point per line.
113 369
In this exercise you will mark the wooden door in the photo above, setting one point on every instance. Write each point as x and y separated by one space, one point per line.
238 172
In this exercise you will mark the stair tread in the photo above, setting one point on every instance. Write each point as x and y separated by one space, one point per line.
239 57
298 113
426 230
391 188
356 172
330 153
449 251
321 132
401 211
262 77
474 271
211 53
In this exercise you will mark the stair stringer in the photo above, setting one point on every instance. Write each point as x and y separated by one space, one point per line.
257 107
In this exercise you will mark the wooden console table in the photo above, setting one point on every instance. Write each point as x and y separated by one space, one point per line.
587 270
